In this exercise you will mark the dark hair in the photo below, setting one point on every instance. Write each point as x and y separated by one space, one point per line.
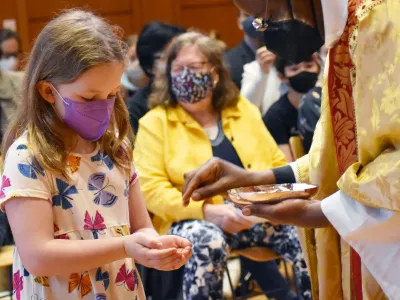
281 63
7 34
225 93
153 38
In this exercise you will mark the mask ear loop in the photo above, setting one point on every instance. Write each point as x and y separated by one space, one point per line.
65 102
215 82
53 105
184 71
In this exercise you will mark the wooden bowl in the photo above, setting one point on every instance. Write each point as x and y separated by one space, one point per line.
271 193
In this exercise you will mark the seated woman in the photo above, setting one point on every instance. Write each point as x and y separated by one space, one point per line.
198 113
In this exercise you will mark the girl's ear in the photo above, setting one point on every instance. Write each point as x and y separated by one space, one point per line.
45 90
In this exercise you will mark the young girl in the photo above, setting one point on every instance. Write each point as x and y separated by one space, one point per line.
69 186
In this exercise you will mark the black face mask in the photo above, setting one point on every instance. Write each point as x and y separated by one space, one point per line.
303 82
289 34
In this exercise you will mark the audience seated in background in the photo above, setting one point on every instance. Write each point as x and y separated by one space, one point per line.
197 114
281 118
134 77
152 41
260 82
245 52
5 231
10 50
10 86
309 113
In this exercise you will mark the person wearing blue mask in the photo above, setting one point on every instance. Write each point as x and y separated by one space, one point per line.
152 40
245 52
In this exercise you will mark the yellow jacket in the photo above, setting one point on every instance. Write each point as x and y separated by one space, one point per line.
170 143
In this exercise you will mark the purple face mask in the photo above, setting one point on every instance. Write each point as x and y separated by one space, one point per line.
88 119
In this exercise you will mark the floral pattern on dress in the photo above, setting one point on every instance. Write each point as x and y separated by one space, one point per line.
84 207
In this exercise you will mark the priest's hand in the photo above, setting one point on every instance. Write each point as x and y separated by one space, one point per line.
297 212
217 176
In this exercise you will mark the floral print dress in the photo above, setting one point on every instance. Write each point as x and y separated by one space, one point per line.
92 204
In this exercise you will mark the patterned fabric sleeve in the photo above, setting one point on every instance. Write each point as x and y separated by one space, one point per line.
23 175
134 176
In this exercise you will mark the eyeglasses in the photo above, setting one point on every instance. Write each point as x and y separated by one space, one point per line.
193 67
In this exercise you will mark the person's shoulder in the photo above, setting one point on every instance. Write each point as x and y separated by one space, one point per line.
21 141
10 83
245 105
12 75
140 98
234 53
157 114
253 67
19 150
278 106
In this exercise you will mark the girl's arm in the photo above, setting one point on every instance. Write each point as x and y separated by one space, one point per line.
138 215
140 222
31 222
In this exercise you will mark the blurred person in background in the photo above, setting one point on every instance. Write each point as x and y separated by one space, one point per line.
309 113
134 77
245 52
10 80
6 237
10 50
152 41
310 106
261 83
10 87
197 114
282 117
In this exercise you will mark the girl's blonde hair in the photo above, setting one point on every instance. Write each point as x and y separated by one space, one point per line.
225 93
68 46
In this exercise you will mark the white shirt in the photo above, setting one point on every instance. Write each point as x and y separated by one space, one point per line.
260 88
374 233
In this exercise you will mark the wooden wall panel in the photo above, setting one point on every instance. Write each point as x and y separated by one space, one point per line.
131 15
46 9
221 17
185 3
8 10
124 20
164 10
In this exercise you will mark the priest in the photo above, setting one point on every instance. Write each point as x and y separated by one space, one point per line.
351 232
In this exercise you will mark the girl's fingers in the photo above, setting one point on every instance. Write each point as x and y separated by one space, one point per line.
187 253
155 254
174 263
148 242
167 263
